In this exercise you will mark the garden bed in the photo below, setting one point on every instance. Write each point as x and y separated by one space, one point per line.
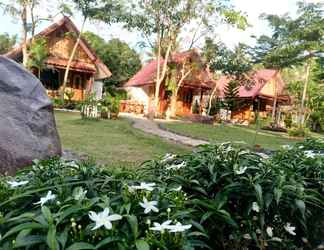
218 197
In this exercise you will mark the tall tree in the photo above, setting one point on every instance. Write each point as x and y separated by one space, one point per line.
231 92
294 41
85 7
122 60
165 20
38 55
20 9
235 64
179 71
7 42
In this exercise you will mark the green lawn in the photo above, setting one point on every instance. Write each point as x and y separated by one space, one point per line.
222 133
112 142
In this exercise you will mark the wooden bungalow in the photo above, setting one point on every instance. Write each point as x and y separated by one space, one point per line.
141 87
267 86
87 70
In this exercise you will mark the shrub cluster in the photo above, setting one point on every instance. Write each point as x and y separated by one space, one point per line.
217 197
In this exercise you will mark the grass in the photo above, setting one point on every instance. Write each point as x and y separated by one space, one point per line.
112 142
238 134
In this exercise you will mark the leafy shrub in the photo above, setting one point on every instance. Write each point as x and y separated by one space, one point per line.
288 120
110 105
244 200
227 198
196 108
71 104
297 131
76 195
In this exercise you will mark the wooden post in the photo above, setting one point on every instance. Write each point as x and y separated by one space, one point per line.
200 101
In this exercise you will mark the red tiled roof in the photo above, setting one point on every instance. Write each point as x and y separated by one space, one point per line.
261 78
101 69
147 75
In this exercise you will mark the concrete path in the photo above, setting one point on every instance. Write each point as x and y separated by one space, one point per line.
151 127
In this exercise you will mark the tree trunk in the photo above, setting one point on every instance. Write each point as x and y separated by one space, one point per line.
211 99
66 74
274 107
173 108
302 106
160 77
24 33
174 96
157 88
33 21
39 73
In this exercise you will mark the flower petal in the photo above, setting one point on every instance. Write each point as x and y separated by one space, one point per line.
114 217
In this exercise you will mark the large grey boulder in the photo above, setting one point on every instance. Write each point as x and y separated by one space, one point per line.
27 124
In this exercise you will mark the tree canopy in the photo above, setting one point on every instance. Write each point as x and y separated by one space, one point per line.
7 42
293 40
122 60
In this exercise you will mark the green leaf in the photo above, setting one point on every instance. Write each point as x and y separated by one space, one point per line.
29 240
258 190
23 216
108 240
68 212
142 245
51 238
132 220
47 214
62 238
20 227
301 206
277 194
81 246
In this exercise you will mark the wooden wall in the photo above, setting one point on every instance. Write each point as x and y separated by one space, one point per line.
60 45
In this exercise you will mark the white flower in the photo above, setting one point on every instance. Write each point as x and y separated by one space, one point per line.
14 184
286 147
79 194
177 189
269 231
142 186
247 236
258 231
160 227
255 207
290 229
149 206
72 164
168 157
301 147
45 199
309 154
103 218
263 155
177 166
276 239
178 227
241 170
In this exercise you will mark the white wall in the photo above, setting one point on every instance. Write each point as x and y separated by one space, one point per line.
139 94
97 88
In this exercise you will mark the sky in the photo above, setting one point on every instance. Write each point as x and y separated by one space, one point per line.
230 36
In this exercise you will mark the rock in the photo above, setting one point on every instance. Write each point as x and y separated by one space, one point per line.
27 125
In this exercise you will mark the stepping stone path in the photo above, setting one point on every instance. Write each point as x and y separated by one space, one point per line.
151 127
